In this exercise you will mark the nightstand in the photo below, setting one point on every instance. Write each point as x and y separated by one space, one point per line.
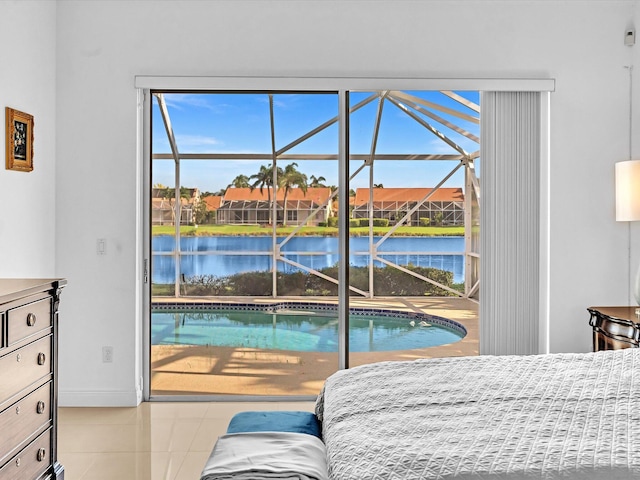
615 327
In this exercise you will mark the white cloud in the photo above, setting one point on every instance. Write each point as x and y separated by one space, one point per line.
282 101
437 146
196 143
182 101
191 140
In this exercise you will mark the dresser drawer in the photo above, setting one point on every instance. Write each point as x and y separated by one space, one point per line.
21 420
24 366
28 320
31 462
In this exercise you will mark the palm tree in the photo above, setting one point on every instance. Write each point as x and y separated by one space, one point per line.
241 181
262 179
378 185
317 181
291 177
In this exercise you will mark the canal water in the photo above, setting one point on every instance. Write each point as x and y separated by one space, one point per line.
228 255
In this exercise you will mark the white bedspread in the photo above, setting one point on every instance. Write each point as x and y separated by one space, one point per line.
563 416
267 455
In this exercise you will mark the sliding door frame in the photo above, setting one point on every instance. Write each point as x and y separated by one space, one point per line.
343 85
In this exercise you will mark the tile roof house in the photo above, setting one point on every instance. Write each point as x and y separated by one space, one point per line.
206 210
213 202
162 205
252 206
444 207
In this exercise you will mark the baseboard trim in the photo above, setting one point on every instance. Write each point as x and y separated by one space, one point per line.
122 398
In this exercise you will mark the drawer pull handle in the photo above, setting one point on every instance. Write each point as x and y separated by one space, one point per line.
18 462
17 410
41 454
31 319
40 407
41 358
18 357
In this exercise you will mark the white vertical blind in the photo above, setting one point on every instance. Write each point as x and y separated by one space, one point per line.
510 215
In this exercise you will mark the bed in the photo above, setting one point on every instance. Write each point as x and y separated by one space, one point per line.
558 416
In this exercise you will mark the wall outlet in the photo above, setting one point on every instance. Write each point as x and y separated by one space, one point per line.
630 37
107 354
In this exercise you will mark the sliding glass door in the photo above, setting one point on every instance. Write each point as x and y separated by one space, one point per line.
251 207
257 206
413 158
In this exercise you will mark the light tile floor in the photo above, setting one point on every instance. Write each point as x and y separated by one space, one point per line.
154 441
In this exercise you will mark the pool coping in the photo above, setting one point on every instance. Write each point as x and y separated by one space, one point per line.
277 307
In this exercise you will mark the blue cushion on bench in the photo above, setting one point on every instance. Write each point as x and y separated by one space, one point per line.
277 421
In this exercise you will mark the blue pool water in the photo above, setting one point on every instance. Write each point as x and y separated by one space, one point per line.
296 331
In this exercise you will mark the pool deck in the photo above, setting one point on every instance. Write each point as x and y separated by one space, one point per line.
196 370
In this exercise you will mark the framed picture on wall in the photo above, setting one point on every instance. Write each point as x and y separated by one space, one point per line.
19 140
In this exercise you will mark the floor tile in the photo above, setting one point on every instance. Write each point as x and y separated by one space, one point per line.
77 464
95 415
154 441
135 466
207 435
192 465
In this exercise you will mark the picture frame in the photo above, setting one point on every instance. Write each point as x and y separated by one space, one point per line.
19 140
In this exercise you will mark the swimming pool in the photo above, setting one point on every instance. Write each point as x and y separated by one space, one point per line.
297 327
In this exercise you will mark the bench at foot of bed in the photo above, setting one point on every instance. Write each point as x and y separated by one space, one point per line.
280 421
267 445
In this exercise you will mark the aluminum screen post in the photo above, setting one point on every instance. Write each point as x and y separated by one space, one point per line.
343 229
177 197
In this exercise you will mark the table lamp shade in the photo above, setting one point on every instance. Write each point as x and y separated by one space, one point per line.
628 191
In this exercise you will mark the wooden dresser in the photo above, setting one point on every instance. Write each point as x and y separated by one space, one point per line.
28 378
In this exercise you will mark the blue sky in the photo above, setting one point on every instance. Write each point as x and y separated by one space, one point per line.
240 123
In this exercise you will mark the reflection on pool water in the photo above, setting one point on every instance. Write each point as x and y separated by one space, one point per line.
308 331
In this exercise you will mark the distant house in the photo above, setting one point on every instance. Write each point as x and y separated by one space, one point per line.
212 203
163 202
247 206
445 206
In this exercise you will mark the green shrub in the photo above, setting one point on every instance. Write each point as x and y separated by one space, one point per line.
291 283
388 281
377 222
332 222
354 223
250 284
380 222
425 221
205 285
322 224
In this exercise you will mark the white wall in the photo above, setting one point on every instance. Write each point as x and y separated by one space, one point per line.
27 83
102 45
